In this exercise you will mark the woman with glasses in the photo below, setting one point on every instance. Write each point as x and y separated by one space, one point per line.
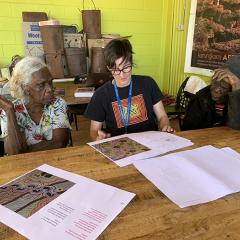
219 103
127 104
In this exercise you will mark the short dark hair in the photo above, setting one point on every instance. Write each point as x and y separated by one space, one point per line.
116 49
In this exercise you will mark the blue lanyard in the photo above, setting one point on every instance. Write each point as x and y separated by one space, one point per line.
124 122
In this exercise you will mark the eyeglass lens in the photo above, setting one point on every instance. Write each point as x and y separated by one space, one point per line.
126 69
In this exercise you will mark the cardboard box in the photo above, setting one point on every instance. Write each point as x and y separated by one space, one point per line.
74 40
33 45
99 42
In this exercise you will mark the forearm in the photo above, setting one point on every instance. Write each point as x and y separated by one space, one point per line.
46 145
60 139
94 129
93 135
14 142
236 86
163 121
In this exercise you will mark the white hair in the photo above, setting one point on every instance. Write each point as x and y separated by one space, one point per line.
22 75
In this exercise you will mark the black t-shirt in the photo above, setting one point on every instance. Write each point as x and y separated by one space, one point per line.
104 106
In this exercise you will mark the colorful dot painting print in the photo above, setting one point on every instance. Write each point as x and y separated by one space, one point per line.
29 193
120 148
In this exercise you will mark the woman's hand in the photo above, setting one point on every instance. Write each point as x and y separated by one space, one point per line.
6 105
227 76
102 135
167 128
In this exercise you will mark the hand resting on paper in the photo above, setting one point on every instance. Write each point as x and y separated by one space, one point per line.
102 135
167 128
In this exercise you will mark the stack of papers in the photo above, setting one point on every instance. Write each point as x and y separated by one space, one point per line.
49 203
194 176
84 92
125 149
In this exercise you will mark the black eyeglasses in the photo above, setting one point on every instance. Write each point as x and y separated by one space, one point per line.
126 69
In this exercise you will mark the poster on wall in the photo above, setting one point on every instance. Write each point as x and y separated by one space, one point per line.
213 35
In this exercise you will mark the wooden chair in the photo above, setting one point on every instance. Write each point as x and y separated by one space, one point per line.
74 110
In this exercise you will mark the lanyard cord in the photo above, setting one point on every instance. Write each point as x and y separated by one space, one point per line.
120 107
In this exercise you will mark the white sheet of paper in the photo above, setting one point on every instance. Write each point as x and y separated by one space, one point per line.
194 176
82 212
230 151
158 142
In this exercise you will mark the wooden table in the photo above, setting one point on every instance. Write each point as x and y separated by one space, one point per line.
76 105
150 215
69 93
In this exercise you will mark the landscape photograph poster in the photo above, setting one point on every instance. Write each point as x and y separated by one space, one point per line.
213 35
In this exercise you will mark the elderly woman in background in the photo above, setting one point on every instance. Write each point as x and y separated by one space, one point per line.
219 103
35 120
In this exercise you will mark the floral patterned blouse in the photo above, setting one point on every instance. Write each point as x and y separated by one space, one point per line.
54 116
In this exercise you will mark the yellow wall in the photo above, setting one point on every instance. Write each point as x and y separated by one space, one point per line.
159 46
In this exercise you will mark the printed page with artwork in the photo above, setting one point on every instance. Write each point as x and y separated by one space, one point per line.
50 203
125 149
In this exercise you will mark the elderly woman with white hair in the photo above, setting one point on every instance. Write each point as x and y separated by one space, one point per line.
35 120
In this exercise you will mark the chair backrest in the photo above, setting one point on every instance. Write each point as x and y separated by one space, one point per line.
182 100
183 97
